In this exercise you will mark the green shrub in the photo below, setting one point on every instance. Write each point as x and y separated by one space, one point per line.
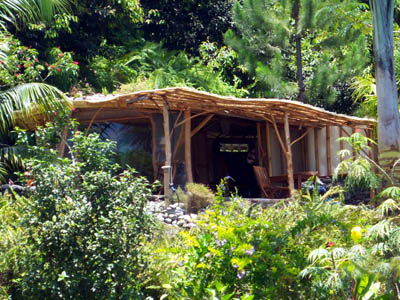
241 250
198 196
368 266
359 167
13 238
86 221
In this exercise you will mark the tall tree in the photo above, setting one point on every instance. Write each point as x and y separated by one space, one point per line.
299 49
388 106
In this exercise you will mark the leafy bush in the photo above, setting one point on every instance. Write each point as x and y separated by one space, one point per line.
359 167
160 68
198 196
240 250
368 267
23 64
86 221
13 238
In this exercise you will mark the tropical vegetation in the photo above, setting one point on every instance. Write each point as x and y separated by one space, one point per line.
78 227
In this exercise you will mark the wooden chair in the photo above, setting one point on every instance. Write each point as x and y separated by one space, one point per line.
265 184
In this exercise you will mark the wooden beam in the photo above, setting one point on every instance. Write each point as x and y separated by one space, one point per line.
92 120
178 143
259 145
328 149
188 150
278 135
201 125
167 167
268 142
317 166
301 137
289 160
81 121
195 116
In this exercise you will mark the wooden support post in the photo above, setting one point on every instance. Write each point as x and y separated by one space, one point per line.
188 150
283 148
303 154
289 156
328 149
354 150
281 154
316 130
178 144
167 166
341 141
61 146
259 143
153 148
268 142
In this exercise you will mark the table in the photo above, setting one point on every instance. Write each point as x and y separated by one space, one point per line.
298 177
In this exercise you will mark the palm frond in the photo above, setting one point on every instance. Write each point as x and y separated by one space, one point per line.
31 10
380 230
29 99
388 206
318 254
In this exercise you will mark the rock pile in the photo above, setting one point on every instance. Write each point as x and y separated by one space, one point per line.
174 214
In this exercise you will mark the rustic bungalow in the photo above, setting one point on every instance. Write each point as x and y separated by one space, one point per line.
194 136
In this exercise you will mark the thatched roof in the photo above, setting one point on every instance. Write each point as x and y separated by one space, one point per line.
179 99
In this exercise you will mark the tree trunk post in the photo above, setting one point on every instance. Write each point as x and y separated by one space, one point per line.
167 166
289 156
188 147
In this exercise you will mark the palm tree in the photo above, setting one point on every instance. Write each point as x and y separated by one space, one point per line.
30 98
21 12
22 98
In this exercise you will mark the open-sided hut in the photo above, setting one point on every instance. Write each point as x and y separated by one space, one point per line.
200 137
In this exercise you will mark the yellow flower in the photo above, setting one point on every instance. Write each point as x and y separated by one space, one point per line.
356 233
